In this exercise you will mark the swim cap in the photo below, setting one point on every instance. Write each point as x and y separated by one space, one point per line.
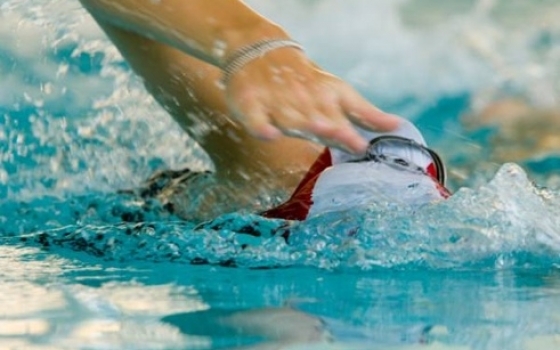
396 169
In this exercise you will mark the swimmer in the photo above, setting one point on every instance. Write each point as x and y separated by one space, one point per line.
397 168
244 91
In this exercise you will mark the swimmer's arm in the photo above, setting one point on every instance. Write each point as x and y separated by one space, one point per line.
283 92
207 29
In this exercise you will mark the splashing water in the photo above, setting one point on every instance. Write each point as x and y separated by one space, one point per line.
505 224
57 148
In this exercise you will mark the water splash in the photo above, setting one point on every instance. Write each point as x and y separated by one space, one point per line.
508 223
77 125
76 120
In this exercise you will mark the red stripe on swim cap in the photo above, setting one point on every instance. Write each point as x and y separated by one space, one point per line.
297 207
432 171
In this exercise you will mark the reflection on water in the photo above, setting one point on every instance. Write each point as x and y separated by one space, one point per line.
81 270
42 307
190 307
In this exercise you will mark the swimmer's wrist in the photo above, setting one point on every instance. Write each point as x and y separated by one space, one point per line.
248 34
252 42
245 55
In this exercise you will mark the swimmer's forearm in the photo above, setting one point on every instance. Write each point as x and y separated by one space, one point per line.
207 29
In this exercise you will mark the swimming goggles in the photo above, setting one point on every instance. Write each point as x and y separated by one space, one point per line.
374 153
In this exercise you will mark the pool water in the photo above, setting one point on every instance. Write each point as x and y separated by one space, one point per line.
85 266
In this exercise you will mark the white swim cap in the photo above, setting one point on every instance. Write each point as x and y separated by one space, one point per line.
396 169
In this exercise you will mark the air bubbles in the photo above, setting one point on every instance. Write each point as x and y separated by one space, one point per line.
62 70
3 176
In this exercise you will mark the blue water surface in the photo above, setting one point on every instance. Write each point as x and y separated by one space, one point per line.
85 266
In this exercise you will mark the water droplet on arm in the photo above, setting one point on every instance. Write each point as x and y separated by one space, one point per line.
219 48
220 84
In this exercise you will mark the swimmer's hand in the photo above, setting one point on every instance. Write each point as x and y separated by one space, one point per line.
283 92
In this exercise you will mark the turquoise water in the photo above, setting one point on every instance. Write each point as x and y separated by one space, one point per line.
84 267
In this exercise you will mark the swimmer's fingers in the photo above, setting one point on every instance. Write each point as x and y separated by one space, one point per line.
329 123
285 92
301 114
343 109
325 126
362 113
343 137
248 111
